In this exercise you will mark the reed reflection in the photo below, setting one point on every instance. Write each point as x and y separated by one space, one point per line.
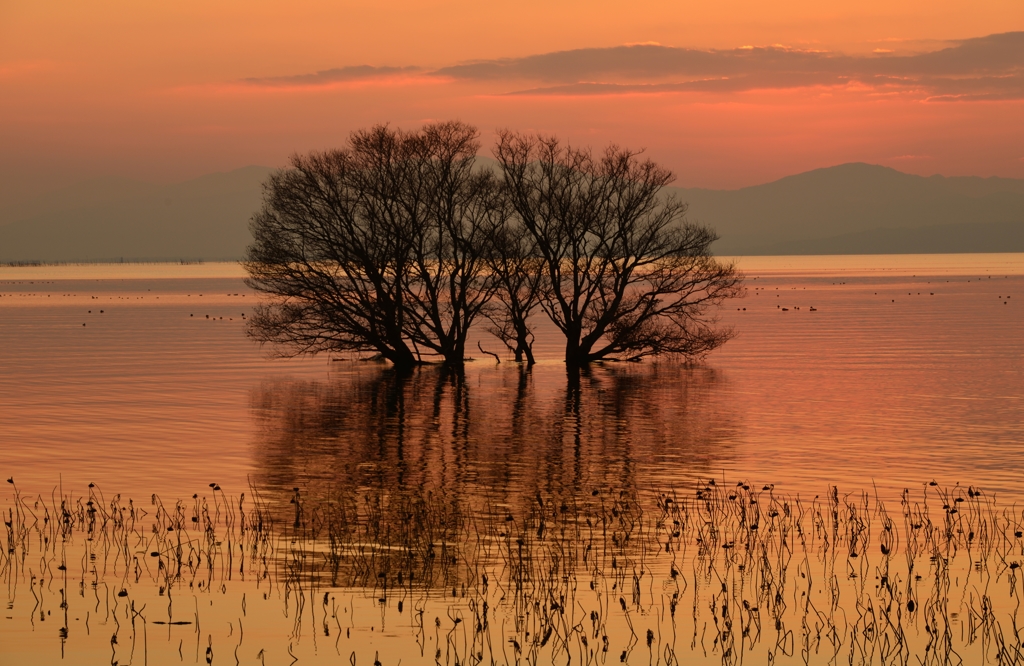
512 517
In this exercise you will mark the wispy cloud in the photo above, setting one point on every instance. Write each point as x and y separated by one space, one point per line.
27 68
976 69
332 76
645 63
984 68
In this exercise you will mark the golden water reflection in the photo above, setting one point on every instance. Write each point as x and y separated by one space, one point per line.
507 432
554 488
717 575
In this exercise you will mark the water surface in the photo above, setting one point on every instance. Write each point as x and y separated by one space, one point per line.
184 498
908 369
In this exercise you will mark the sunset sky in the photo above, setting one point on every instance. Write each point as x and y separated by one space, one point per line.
726 94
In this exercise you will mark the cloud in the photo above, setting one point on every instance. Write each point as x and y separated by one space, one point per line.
974 69
983 68
636 64
27 68
332 76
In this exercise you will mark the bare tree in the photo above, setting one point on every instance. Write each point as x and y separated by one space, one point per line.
626 275
374 247
450 284
331 253
517 271
397 243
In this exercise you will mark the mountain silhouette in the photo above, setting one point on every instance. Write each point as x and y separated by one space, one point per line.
864 209
847 209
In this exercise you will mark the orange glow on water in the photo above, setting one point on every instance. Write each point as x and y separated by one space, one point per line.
908 368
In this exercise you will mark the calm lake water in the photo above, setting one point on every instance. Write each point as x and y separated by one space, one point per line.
910 369
139 380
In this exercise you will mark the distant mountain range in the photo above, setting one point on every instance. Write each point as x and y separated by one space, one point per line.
864 209
846 209
115 218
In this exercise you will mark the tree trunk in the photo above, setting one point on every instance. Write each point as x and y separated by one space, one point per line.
523 347
453 351
400 356
528 351
575 355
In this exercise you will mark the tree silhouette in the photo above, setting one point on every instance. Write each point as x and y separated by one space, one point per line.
374 247
397 243
625 274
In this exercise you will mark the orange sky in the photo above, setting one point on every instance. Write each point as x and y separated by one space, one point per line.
167 91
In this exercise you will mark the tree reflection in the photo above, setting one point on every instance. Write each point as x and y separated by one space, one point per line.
493 432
